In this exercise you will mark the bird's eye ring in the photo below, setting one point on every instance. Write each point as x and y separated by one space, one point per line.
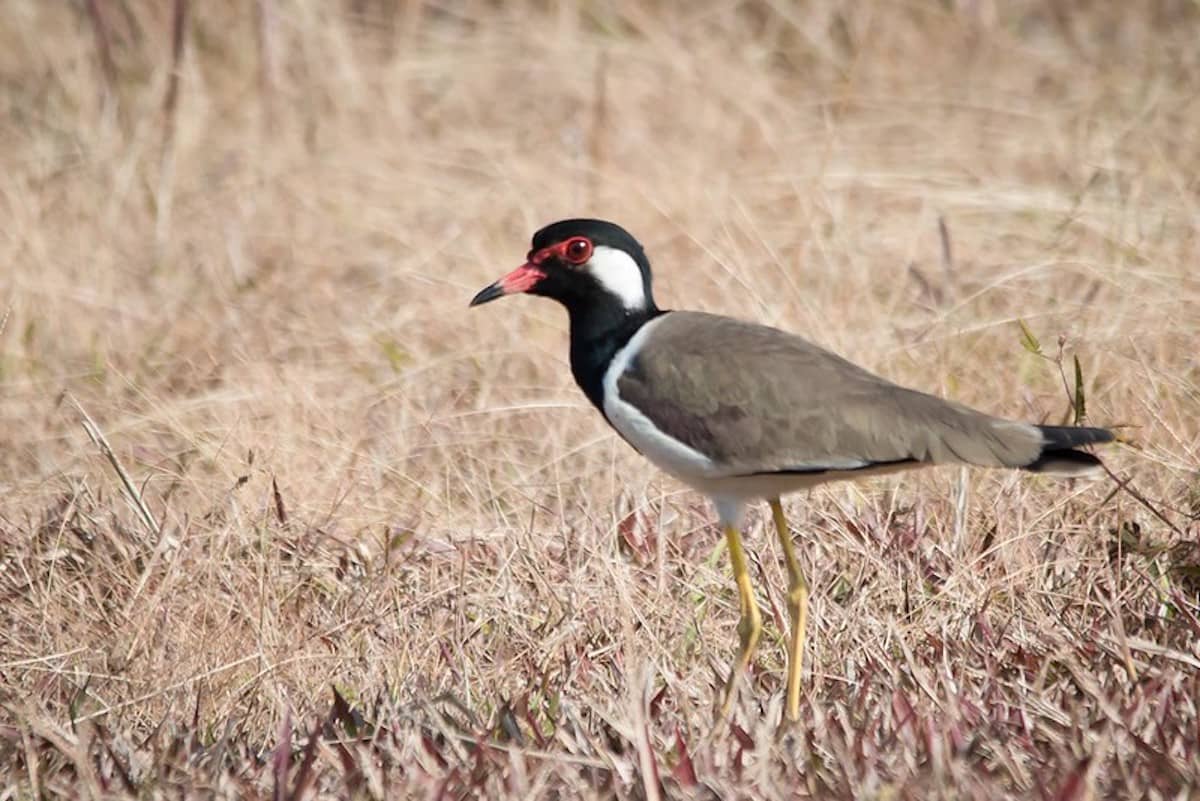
577 250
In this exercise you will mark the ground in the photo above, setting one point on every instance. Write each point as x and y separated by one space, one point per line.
281 516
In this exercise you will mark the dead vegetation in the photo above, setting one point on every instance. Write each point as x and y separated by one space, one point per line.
281 517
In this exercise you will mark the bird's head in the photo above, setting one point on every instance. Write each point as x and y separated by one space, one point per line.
582 264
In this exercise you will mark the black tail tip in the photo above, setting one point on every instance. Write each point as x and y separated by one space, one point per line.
1065 463
1067 437
1059 455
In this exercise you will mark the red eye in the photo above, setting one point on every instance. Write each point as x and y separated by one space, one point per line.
577 250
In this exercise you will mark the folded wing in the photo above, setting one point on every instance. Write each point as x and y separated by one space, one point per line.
755 399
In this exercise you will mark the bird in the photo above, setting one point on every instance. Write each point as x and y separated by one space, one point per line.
745 413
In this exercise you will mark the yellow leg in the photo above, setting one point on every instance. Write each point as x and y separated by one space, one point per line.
750 624
798 608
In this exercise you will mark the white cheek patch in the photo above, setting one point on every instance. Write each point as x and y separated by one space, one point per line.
618 273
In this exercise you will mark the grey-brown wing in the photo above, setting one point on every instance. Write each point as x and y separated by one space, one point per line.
755 400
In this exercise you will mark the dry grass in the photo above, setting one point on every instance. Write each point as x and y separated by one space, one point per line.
257 291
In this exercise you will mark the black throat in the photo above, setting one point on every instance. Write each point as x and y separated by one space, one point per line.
597 333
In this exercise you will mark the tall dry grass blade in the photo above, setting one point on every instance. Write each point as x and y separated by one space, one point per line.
165 197
266 28
647 762
281 758
949 268
1080 405
31 762
108 68
280 507
179 17
131 491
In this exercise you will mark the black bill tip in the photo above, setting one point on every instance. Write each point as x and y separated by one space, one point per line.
487 294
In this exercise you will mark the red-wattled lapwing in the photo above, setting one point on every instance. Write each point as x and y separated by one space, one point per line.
743 412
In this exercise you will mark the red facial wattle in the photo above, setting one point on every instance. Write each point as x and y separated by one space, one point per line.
573 252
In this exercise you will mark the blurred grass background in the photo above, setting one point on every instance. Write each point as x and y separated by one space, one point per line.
238 241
